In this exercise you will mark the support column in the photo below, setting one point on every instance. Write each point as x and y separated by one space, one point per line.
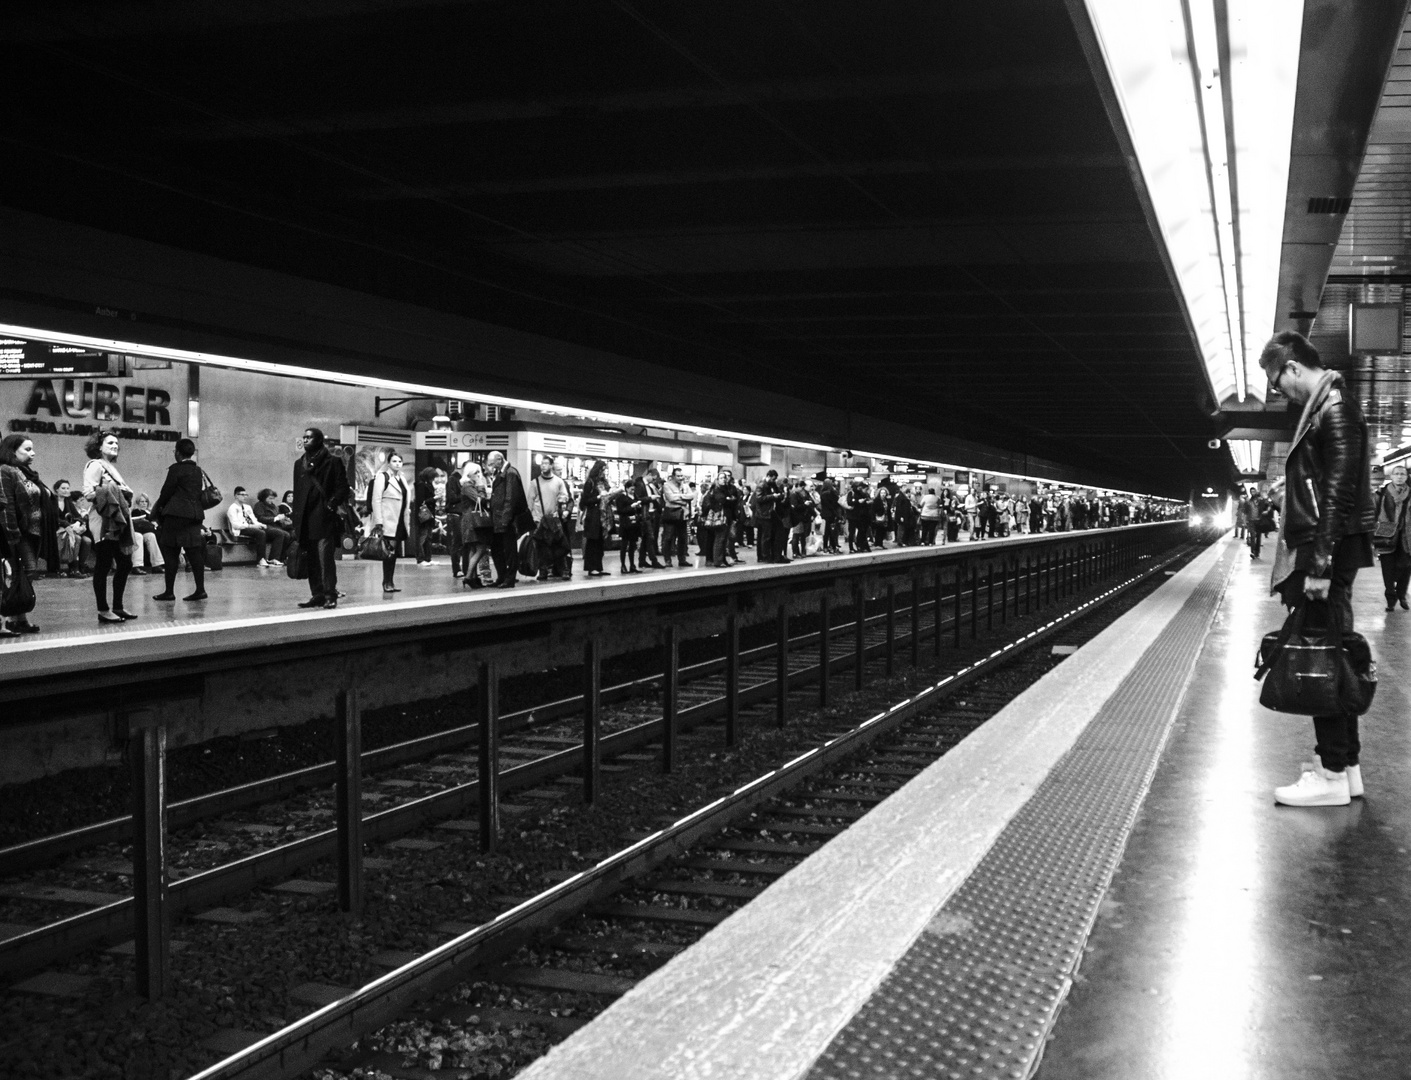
592 718
488 693
349 799
670 676
150 915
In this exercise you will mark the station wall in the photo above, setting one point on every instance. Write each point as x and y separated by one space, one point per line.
250 423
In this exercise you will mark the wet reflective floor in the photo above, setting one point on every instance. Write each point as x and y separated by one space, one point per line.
1241 939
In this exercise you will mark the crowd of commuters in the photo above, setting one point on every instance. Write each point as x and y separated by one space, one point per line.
495 524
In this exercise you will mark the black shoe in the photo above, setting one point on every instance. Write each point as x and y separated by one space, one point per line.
504 584
164 596
390 589
123 615
199 594
139 571
4 633
313 601
108 617
24 628
330 604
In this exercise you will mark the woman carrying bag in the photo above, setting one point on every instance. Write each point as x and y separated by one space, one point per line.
179 513
1392 538
391 504
109 524
477 530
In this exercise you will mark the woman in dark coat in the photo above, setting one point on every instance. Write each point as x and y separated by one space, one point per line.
179 517
595 532
424 513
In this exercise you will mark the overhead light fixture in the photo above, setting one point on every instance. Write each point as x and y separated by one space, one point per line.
1246 454
1217 176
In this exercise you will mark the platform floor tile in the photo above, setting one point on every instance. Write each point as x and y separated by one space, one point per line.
975 996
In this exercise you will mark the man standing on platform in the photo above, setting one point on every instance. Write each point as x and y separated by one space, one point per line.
1324 539
510 517
320 490
549 500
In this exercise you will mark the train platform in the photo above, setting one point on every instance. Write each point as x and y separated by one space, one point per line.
250 605
1096 883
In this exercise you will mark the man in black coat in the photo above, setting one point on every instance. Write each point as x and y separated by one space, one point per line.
320 492
510 517
1327 529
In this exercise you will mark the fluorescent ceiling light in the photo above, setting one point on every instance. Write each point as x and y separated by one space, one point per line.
1246 454
189 356
1221 220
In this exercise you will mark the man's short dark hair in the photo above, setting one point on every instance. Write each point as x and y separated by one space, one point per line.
317 433
264 494
185 448
772 474
1288 345
239 490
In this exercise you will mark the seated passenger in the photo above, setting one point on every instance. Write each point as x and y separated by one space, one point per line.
244 525
75 546
277 523
149 554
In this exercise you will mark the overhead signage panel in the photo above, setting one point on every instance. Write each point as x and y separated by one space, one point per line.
23 359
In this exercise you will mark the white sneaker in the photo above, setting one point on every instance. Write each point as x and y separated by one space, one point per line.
1354 776
1316 787
263 562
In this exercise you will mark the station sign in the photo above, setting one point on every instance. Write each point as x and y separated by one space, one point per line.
24 359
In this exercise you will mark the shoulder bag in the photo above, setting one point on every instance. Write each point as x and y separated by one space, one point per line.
16 590
210 494
1317 672
1386 532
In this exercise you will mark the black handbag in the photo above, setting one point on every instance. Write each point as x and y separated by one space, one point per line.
1315 672
210 494
296 561
16 590
374 547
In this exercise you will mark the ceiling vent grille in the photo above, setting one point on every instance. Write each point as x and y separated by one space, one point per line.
1327 204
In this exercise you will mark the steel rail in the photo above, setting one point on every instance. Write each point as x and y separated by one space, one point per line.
45 850
301 1045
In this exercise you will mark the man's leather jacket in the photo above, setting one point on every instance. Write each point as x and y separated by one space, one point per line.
1328 483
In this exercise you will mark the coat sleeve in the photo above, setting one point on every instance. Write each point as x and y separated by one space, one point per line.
1343 442
338 490
9 505
379 489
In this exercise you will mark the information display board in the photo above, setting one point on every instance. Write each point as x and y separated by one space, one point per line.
24 359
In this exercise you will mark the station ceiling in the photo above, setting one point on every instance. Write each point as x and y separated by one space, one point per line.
918 210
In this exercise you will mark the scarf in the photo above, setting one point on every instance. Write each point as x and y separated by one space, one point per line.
1284 559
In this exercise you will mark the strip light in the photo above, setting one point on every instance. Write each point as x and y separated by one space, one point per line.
1246 454
264 367
1222 226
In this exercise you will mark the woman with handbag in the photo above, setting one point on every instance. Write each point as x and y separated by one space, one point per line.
425 514
109 524
1392 538
596 527
22 515
37 517
391 505
179 515
477 528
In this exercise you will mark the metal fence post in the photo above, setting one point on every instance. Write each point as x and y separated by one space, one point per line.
959 589
781 669
936 644
1004 592
592 718
860 634
732 677
974 602
151 916
916 618
349 800
488 693
824 654
989 597
670 655
891 625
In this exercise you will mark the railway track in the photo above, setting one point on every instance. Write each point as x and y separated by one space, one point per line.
591 936
443 786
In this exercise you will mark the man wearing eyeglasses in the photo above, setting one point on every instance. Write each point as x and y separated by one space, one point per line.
1326 536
